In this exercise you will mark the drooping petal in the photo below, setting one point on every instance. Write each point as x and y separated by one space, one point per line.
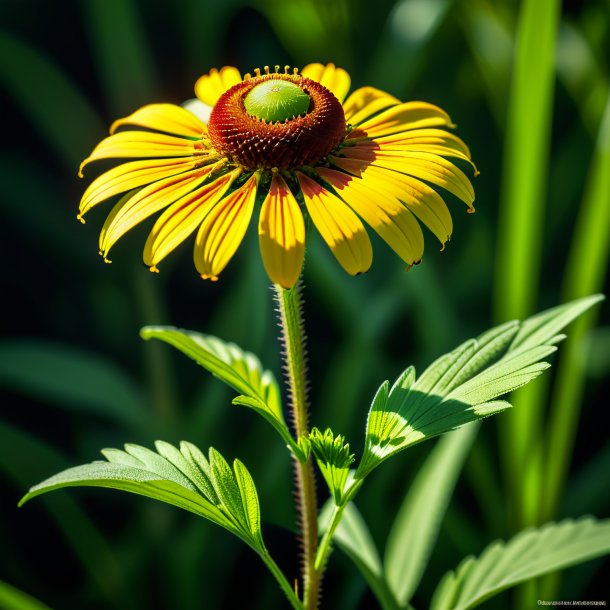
420 198
365 102
410 115
139 204
223 229
143 144
339 226
336 80
389 218
281 232
164 117
133 174
426 166
212 85
182 218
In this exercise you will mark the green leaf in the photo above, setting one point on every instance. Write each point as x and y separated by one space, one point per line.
353 537
14 599
71 378
462 386
417 523
532 553
239 369
333 458
181 477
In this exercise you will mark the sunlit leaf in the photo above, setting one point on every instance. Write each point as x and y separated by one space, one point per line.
239 369
463 386
530 554
333 458
180 477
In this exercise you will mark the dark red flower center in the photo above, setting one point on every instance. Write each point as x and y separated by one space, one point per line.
266 125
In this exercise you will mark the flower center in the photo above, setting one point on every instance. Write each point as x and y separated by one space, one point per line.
276 101
276 120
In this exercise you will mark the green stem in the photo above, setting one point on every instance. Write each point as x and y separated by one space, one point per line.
295 602
324 548
293 339
337 514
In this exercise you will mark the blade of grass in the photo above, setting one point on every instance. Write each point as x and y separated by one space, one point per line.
54 105
123 59
12 598
586 272
526 158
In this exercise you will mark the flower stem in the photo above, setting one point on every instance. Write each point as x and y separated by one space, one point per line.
293 339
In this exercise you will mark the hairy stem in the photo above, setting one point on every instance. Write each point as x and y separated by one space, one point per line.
293 340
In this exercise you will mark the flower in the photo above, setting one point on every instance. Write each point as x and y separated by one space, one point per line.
293 143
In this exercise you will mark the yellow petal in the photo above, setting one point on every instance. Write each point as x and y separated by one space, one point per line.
389 218
336 80
436 141
365 102
281 232
427 166
223 229
164 117
183 217
410 115
138 205
438 137
143 144
132 175
340 228
211 86
420 198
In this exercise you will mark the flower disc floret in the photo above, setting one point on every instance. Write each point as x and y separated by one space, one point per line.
256 141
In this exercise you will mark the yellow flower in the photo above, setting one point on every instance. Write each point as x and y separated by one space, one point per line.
295 144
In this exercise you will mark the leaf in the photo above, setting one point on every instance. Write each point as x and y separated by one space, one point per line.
180 477
416 525
532 553
333 458
462 386
353 537
239 369
71 378
12 598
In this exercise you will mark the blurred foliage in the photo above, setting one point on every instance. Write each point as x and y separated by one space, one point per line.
76 377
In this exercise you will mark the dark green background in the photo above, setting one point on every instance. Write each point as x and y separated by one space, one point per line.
71 362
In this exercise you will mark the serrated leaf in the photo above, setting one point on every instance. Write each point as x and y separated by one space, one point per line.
183 478
239 369
353 537
530 554
416 525
71 378
462 386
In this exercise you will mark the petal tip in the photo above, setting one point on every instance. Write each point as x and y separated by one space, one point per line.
211 278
